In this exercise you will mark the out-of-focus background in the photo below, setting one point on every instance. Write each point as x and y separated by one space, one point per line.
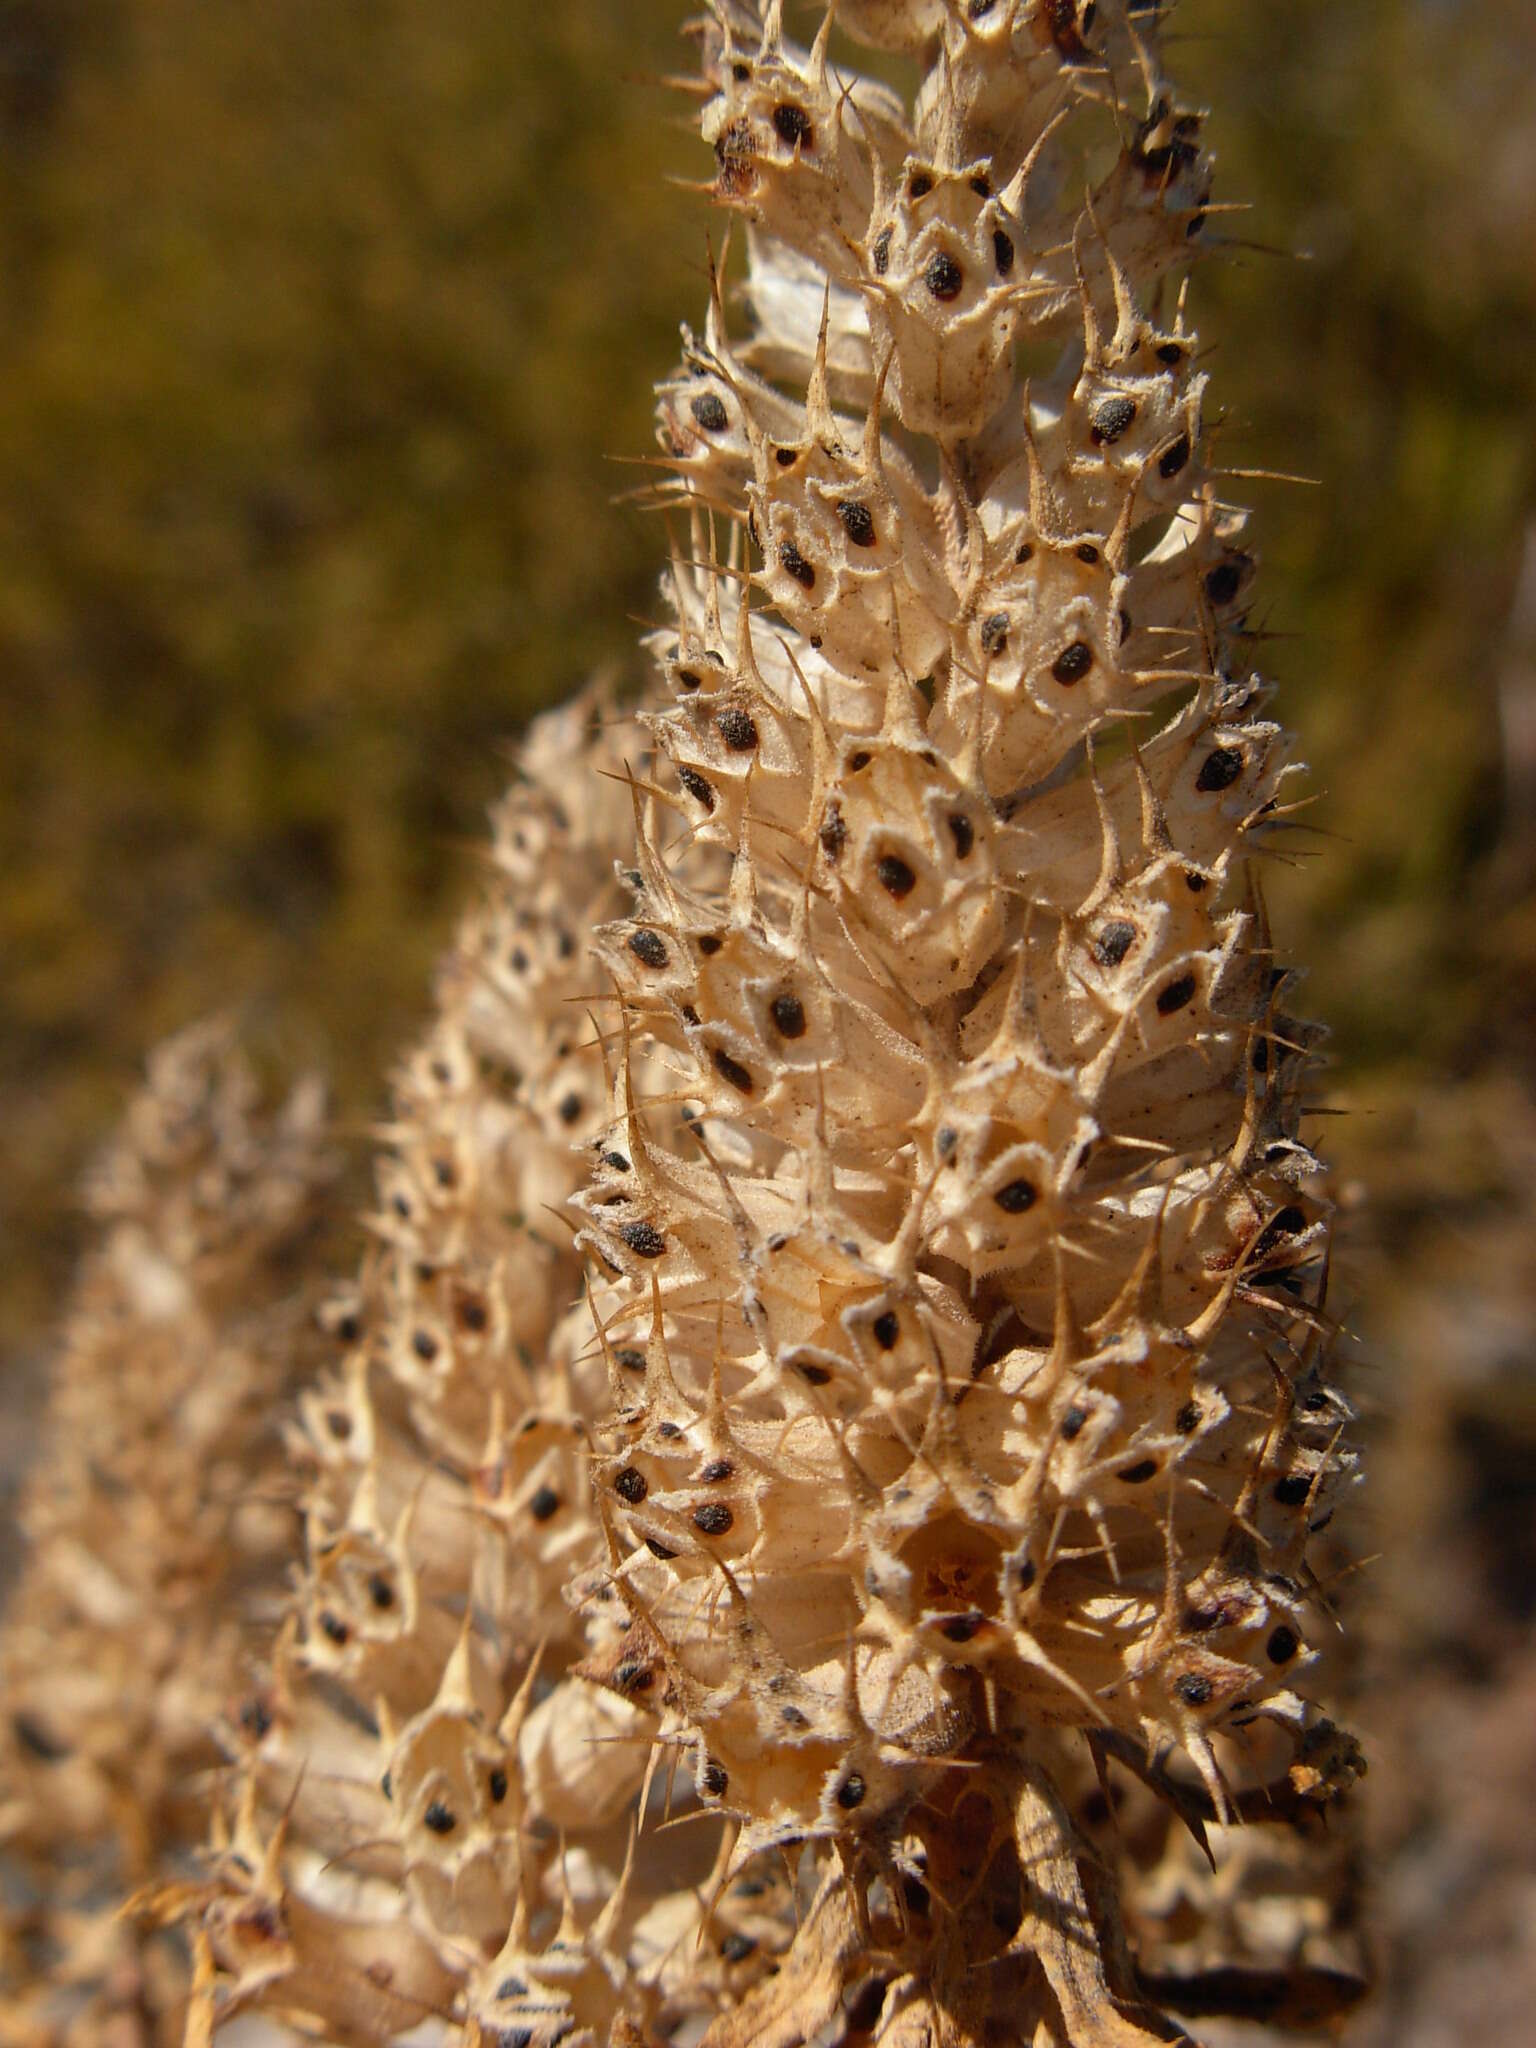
318 328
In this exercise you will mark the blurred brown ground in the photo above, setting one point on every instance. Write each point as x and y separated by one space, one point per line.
317 325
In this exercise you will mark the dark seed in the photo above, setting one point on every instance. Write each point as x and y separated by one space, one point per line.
786 458
1113 418
1192 1689
697 787
1024 1577
659 1550
788 1014
617 1161
1073 663
1125 625
1187 1421
644 1240
1002 252
1085 551
944 277
687 680
1026 552
570 1108
631 1359
1171 352
1294 1490
1175 995
713 1519
731 1070
439 1818
858 522
851 1792
816 1374
381 1592
425 1346
858 760
1072 1423
887 1328
994 633
736 1948
709 945
834 833
1137 1475
511 1987
631 1485
1016 1197
963 832
794 564
648 947
634 1677
919 185
545 1502
896 878
716 1470
1282 1645
713 1779
880 252
1112 942
960 1628
1224 581
709 410
496 1785
792 124
737 728
1173 457
1219 770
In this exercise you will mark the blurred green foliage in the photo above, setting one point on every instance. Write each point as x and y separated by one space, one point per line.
318 325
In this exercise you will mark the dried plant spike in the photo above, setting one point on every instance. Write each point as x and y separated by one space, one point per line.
982 1432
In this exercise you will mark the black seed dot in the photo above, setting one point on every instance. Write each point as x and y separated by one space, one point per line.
660 1550
817 1375
736 1948
1112 942
349 1329
380 1591
1175 995
794 564
963 832
1139 1474
1016 1197
697 787
254 1719
713 1519
851 1792
994 633
649 948
1187 1421
716 1470
1073 663
788 1014
1192 1689
545 1502
962 1628
944 1142
1002 252
425 1346
496 1785
713 1779
1125 625
1195 882
896 877
511 1987
858 522
731 1070
1224 581
439 1818
709 945
687 680
617 1161
786 458
631 1486
709 410
880 252
1085 551
792 125
944 277
978 8
1170 352
887 1328
1026 552
919 185
1219 770
630 1358
793 1718
569 1108
737 728
1113 419
632 1676
1282 1645
644 1240
1024 1576
1294 1490
1072 1423
1173 457
741 72
689 1016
